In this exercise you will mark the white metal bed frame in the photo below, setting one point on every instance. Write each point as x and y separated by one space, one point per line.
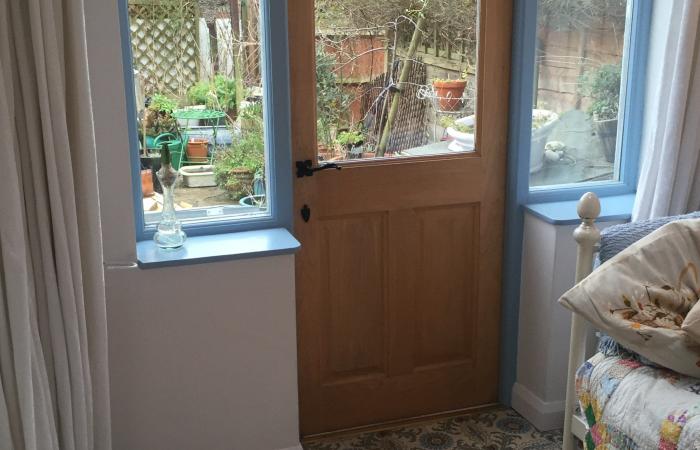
587 238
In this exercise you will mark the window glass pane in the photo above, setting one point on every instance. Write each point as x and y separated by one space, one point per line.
576 104
198 81
395 79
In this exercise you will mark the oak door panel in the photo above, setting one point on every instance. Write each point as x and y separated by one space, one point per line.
354 321
446 295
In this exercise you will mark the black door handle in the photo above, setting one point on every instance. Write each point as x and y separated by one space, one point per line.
306 168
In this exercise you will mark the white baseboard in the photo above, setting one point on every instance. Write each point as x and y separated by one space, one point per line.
295 447
543 415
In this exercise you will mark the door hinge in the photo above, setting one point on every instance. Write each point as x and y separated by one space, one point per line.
306 213
306 168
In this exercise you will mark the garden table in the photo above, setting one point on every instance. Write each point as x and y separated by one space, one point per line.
198 114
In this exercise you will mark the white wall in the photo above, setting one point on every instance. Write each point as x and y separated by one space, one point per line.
201 356
549 264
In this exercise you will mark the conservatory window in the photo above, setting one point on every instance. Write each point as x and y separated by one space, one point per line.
578 98
199 81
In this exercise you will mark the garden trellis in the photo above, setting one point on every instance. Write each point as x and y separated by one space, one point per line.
176 43
164 43
411 128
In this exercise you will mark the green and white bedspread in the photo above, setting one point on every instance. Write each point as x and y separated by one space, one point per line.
629 405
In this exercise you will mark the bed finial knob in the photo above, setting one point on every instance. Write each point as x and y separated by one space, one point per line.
588 206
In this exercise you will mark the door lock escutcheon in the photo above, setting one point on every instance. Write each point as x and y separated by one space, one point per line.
305 213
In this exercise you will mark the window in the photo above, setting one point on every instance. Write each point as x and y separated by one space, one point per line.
395 79
580 95
204 85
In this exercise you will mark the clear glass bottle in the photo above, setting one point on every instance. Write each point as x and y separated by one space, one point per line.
169 234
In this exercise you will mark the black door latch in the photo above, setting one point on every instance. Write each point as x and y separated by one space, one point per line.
306 168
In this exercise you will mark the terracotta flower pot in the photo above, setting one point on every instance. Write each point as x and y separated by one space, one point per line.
367 155
198 150
449 93
152 162
147 182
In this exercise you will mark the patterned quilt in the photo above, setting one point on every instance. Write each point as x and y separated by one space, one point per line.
629 405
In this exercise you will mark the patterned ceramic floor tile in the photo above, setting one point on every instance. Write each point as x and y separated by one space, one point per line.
496 429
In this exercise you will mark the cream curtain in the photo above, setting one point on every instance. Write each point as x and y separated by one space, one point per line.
53 338
669 181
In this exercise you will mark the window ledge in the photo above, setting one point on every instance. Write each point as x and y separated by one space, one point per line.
615 207
218 247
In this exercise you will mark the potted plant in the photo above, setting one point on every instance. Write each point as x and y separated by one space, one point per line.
237 167
198 96
157 117
156 125
251 118
461 131
219 94
543 122
200 93
603 87
198 150
370 152
156 121
449 93
352 141
146 182
225 89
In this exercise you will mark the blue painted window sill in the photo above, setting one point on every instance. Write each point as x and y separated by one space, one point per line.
615 207
218 247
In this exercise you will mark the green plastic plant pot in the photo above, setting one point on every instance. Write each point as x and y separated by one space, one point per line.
175 147
176 157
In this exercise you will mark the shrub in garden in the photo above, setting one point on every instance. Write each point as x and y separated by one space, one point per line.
236 167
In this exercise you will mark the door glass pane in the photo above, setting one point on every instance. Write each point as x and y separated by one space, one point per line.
576 104
198 79
395 79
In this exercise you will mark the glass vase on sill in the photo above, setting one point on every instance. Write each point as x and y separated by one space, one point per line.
169 234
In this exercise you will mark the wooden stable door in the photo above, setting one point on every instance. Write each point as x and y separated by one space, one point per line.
399 276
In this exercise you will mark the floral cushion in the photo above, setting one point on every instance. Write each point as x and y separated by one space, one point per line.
641 296
691 324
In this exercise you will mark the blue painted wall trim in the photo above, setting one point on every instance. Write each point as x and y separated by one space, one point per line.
277 115
518 193
219 247
616 207
131 116
520 120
